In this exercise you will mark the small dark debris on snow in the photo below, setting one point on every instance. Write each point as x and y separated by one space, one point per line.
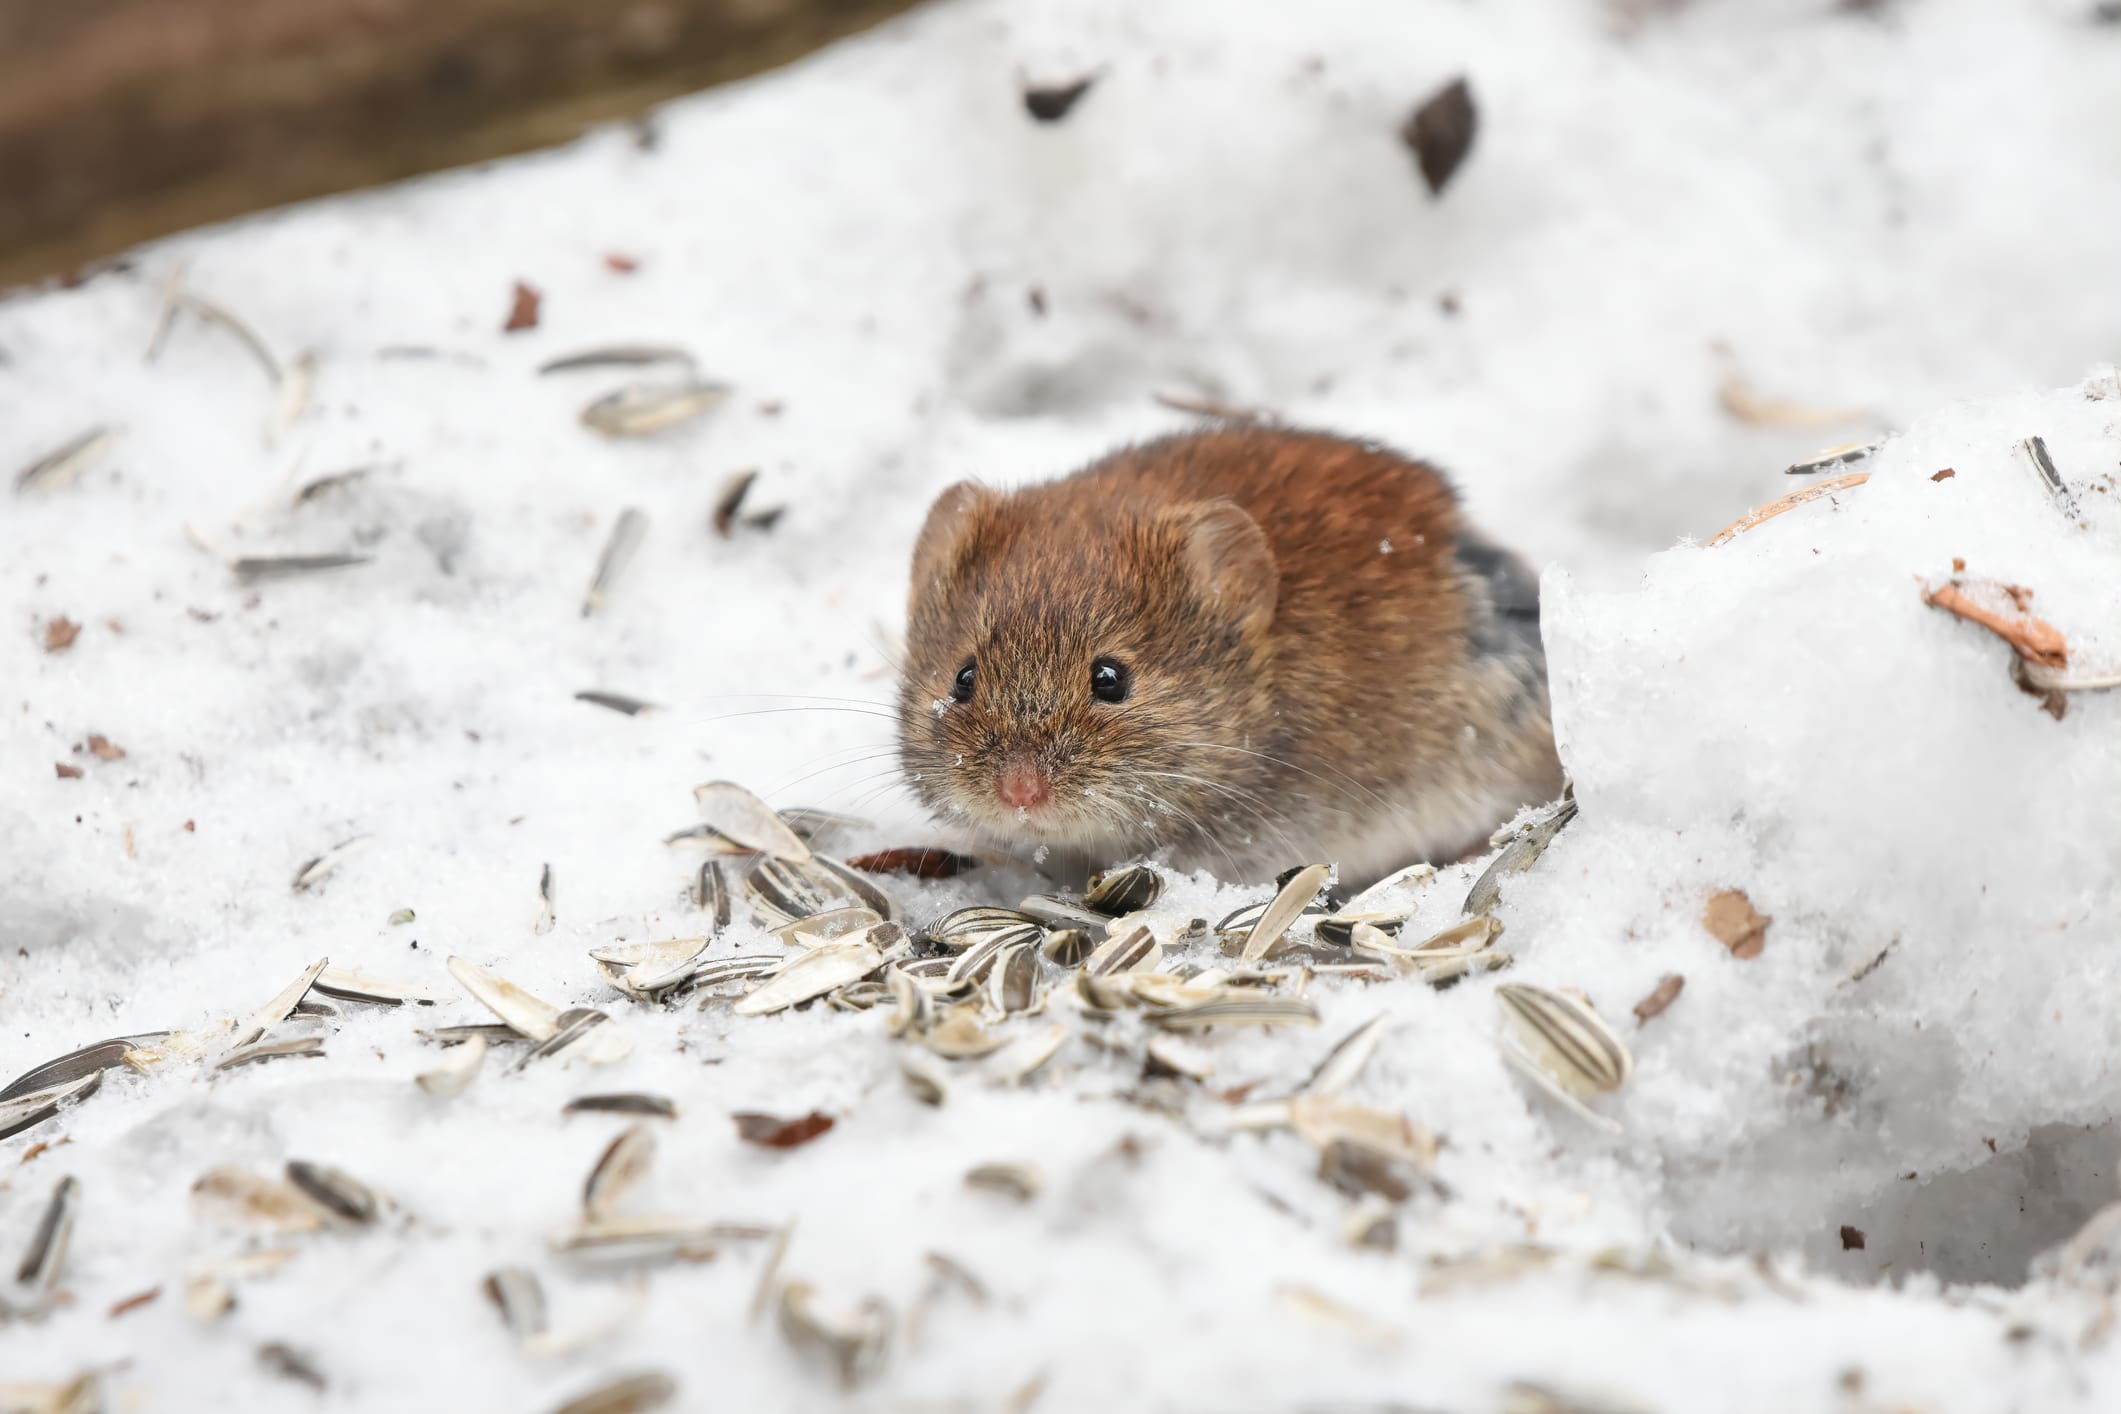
522 309
1851 1238
60 633
1051 103
617 702
135 1301
289 1363
731 500
1663 995
1944 475
103 749
619 264
1036 298
773 1132
1440 132
66 772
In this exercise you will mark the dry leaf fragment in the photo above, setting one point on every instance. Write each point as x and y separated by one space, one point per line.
1440 132
773 1132
2001 609
66 772
619 264
522 310
1732 921
920 863
135 1301
60 633
1741 401
1851 1238
1944 475
103 749
1666 992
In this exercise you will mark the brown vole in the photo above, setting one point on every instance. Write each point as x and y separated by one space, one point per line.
1238 650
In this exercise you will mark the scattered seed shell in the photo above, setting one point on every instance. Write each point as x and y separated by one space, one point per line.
62 464
1520 854
812 974
641 409
1019 1181
626 536
631 1394
1563 1046
336 1191
745 820
621 1168
854 1342
1120 891
520 1298
623 1103
530 1016
457 1070
1296 895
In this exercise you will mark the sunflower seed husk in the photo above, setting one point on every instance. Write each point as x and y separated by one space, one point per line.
63 463
855 1342
1337 1071
240 1197
812 974
1132 952
584 1034
325 485
782 892
972 964
1013 981
207 1298
315 871
457 1069
731 500
922 1084
626 536
615 356
959 1034
520 1298
723 971
1022 1058
1563 1046
275 1011
1845 455
309 1006
64 1070
281 1359
491 1033
529 1015
545 919
1068 947
770 1273
645 970
744 819
631 1394
1520 854
1053 911
272 1048
1339 928
350 985
335 1190
625 1162
26 1111
1443 974
1264 1010
1019 1181
1414 876
1326 1122
1371 1224
710 894
623 1103
650 1239
617 702
2033 450
1168 1055
38 1272
709 839
1127 890
1322 1310
824 927
639 409
960 929
261 569
1297 894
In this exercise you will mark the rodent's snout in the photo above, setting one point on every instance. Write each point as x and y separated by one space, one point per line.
1023 784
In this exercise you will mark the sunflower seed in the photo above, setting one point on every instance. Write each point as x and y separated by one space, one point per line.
533 1018
581 1035
626 535
621 1240
1296 895
1068 947
33 1108
617 702
2033 451
88 1060
1022 1058
457 1069
616 356
911 1005
923 1086
241 1198
1168 1055
1013 981
1327 1122
489 1032
624 1164
1414 876
281 1048
623 1103
646 969
349 985
855 1342
961 928
290 1364
1563 1046
957 1034
633 1394
1338 928
1135 951
973 963
639 409
61 465
1520 854
520 1298
1238 1011
38 1272
262 569
1337 1071
731 499
710 894
812 974
336 1191
1019 1181
824 927
1127 890
1053 911
275 1011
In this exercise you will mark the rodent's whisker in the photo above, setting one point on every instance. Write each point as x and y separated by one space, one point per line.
1381 802
829 767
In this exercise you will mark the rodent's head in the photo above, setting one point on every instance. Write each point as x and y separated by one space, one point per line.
1065 656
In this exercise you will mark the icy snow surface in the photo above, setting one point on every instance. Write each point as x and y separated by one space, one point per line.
1906 213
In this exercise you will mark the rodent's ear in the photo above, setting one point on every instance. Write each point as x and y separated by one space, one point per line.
1230 562
947 536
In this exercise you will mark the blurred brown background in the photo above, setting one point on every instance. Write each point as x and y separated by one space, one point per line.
122 120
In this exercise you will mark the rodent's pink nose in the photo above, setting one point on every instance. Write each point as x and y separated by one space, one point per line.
1023 785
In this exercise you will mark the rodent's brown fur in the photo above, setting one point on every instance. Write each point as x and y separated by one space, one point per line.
1345 682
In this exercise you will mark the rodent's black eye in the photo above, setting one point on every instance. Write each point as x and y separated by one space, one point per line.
1110 681
962 688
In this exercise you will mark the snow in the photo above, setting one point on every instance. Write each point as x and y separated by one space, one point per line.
1907 212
